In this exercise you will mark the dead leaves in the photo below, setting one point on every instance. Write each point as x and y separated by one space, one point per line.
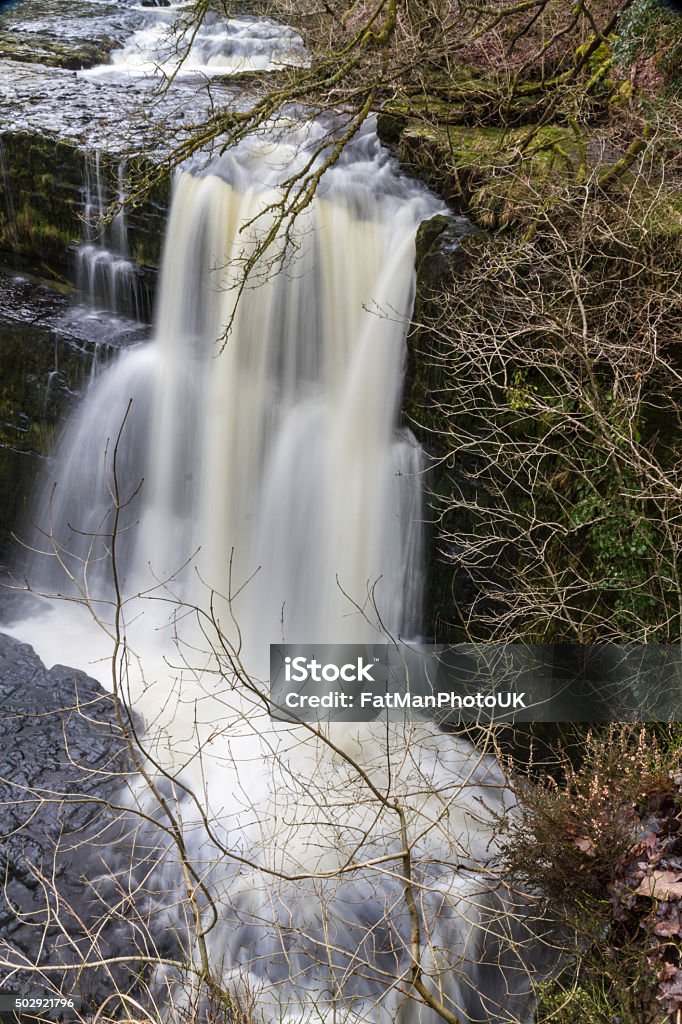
585 846
661 885
647 896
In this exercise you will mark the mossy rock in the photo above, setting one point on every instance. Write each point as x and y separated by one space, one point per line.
441 255
41 373
73 55
663 216
495 175
39 208
41 204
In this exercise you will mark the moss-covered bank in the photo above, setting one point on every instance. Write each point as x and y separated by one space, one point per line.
543 381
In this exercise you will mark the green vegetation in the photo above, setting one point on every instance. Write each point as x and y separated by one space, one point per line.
603 840
41 205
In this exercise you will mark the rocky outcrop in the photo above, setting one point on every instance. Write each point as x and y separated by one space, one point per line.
49 351
37 32
76 917
440 258
73 54
63 760
40 202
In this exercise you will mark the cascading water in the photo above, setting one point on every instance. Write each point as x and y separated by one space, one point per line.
165 45
106 277
279 455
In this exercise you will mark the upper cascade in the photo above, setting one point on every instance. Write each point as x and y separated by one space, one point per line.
168 45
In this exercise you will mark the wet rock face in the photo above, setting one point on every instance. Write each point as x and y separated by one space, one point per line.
50 349
440 258
40 201
62 756
42 190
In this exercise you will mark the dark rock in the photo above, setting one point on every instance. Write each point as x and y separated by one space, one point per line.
49 350
440 258
155 3
63 765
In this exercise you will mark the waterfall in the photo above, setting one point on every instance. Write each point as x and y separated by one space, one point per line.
106 277
273 450
165 45
266 491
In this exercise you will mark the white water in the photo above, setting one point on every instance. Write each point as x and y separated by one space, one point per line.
106 277
281 454
165 46
268 463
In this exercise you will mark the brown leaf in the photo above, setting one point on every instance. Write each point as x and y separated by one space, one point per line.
671 992
666 927
661 885
585 846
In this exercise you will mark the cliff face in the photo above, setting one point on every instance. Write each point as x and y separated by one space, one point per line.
47 349
441 257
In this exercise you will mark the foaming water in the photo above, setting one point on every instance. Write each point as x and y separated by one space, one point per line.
241 480
165 46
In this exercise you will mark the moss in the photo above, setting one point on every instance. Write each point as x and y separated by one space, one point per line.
501 177
53 52
662 215
495 174
40 212
41 202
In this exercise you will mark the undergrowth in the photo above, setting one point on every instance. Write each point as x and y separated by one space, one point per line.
600 836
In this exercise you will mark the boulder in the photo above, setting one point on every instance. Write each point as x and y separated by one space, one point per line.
64 764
